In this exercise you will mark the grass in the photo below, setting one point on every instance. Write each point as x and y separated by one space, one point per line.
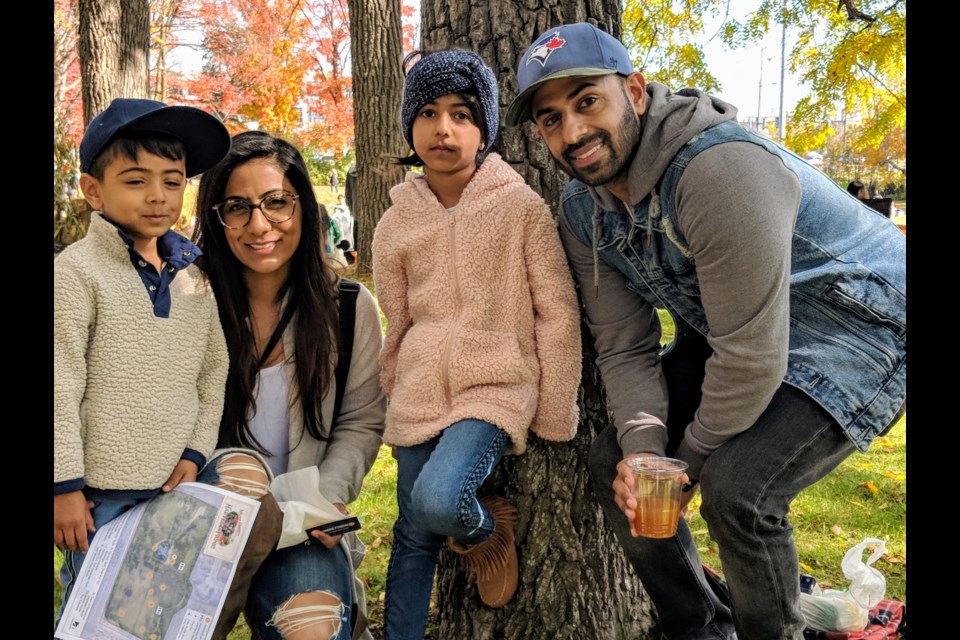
864 497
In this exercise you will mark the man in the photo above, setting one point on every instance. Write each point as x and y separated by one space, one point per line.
789 298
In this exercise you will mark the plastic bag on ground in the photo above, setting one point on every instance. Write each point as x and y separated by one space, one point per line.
848 610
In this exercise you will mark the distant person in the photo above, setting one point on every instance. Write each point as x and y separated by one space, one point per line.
331 239
858 190
139 358
260 229
483 338
790 350
350 199
334 181
341 214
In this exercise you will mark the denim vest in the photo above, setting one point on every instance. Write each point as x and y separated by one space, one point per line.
848 288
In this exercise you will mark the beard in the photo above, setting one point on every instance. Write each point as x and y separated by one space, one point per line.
621 151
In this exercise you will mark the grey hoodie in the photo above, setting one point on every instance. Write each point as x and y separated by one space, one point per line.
736 205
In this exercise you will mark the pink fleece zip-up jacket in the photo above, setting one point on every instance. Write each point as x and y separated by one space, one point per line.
482 316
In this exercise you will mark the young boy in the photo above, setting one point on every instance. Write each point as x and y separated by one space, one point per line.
140 359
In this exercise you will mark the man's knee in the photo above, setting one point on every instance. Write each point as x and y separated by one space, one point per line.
724 499
314 615
243 474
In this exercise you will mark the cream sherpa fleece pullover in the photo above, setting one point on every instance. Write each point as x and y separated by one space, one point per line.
131 391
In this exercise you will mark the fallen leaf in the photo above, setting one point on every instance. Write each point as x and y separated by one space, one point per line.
376 542
896 475
700 532
870 486
883 506
854 502
806 567
836 530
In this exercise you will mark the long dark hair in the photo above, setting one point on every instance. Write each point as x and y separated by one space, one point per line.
310 289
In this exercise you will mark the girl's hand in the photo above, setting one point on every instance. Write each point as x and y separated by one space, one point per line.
185 471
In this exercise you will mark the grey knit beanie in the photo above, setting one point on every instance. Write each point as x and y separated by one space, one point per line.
451 71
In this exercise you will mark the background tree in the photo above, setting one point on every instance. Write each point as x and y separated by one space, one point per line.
166 19
574 580
377 91
67 119
114 44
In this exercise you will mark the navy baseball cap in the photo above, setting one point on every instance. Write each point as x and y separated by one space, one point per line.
578 49
206 140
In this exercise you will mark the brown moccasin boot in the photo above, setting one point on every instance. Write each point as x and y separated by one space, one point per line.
493 563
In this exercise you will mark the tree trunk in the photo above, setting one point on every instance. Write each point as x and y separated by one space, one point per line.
574 579
114 43
376 49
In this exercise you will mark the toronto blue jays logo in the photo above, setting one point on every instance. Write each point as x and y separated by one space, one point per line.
547 45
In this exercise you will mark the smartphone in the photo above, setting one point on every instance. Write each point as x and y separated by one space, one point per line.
337 527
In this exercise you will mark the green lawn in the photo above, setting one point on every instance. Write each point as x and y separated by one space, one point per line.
864 497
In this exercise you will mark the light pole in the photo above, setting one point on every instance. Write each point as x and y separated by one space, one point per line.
760 89
783 65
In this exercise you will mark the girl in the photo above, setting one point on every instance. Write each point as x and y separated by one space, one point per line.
483 335
259 227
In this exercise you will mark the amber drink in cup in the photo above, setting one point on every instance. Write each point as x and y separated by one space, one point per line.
658 483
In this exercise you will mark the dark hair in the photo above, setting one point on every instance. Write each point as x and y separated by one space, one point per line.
129 144
310 289
471 99
854 188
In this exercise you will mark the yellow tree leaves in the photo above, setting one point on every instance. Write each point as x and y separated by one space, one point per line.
851 55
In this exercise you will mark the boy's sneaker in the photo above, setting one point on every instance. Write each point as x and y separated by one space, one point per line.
493 562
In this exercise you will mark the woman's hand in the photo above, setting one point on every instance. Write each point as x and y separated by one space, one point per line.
330 541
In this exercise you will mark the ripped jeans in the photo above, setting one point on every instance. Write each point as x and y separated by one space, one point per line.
302 568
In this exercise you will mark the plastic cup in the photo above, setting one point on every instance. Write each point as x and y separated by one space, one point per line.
658 484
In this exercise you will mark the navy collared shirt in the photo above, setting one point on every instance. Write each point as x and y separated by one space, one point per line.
177 253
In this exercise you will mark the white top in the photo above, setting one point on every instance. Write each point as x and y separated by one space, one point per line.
270 425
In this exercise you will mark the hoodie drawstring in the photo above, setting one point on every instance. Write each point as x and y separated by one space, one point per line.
596 251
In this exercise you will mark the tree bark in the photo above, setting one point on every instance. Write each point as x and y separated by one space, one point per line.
574 579
114 43
376 49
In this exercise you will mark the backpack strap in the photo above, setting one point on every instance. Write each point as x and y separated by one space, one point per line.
348 314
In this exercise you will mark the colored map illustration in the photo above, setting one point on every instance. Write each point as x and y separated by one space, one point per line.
155 577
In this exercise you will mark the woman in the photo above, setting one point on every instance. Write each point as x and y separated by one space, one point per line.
261 233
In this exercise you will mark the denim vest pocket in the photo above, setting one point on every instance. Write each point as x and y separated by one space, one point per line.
859 299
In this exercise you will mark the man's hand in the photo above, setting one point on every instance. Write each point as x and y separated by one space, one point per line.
185 471
72 519
624 487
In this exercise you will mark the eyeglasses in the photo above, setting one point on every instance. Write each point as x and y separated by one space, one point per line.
276 206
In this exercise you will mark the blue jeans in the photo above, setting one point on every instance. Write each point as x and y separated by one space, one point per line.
299 569
748 485
437 484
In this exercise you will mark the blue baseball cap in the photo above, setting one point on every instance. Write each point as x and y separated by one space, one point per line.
205 138
569 50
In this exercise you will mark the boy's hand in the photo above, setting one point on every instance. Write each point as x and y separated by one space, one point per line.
185 471
72 519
